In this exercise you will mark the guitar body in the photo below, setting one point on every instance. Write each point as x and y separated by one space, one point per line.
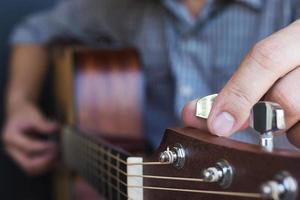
100 91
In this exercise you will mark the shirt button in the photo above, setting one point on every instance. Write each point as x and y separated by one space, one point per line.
186 91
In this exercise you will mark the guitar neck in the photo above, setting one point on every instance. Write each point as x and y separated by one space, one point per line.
100 164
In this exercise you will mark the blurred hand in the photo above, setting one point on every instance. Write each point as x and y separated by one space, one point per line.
34 155
270 71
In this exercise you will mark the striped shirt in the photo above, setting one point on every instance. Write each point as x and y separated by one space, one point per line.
184 57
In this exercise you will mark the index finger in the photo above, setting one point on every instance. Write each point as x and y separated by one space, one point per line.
269 60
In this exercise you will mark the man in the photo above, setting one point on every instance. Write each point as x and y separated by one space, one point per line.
190 48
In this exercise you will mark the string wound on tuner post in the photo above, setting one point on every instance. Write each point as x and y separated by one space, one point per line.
222 173
175 155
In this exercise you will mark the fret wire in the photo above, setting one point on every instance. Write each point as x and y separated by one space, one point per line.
109 170
105 167
101 175
118 174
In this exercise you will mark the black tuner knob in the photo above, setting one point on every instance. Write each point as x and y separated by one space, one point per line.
267 118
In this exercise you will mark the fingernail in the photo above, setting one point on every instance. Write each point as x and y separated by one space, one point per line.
223 123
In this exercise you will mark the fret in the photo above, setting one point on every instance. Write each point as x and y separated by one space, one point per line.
101 174
113 172
105 169
91 164
118 177
122 177
102 166
109 177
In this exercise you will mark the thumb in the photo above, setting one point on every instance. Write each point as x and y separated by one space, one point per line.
189 118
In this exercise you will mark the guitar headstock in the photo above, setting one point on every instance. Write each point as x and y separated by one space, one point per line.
211 167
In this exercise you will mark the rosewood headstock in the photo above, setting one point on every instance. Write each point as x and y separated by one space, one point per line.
210 167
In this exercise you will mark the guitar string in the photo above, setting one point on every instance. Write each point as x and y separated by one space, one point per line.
96 148
241 194
155 177
152 176
237 194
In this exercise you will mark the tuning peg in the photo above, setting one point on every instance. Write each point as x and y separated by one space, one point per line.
175 155
267 118
282 187
222 173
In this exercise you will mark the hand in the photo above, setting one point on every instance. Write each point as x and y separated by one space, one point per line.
35 156
269 71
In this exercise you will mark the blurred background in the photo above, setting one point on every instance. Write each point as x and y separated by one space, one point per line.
14 184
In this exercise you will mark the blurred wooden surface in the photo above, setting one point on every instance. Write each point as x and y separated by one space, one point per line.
99 91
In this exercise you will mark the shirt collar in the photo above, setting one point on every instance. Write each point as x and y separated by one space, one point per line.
211 6
181 12
256 4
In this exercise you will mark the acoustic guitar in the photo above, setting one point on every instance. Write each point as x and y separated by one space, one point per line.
99 99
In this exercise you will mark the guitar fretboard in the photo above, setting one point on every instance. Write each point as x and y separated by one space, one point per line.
101 165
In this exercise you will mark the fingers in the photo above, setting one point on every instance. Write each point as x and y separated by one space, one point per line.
294 136
285 93
36 121
17 139
268 61
189 118
32 154
33 165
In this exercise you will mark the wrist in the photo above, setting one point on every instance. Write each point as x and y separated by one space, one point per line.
16 100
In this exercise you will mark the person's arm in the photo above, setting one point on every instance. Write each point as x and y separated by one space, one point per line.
85 20
29 61
28 67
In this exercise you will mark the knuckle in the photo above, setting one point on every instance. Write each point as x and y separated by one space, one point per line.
287 102
263 53
241 99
